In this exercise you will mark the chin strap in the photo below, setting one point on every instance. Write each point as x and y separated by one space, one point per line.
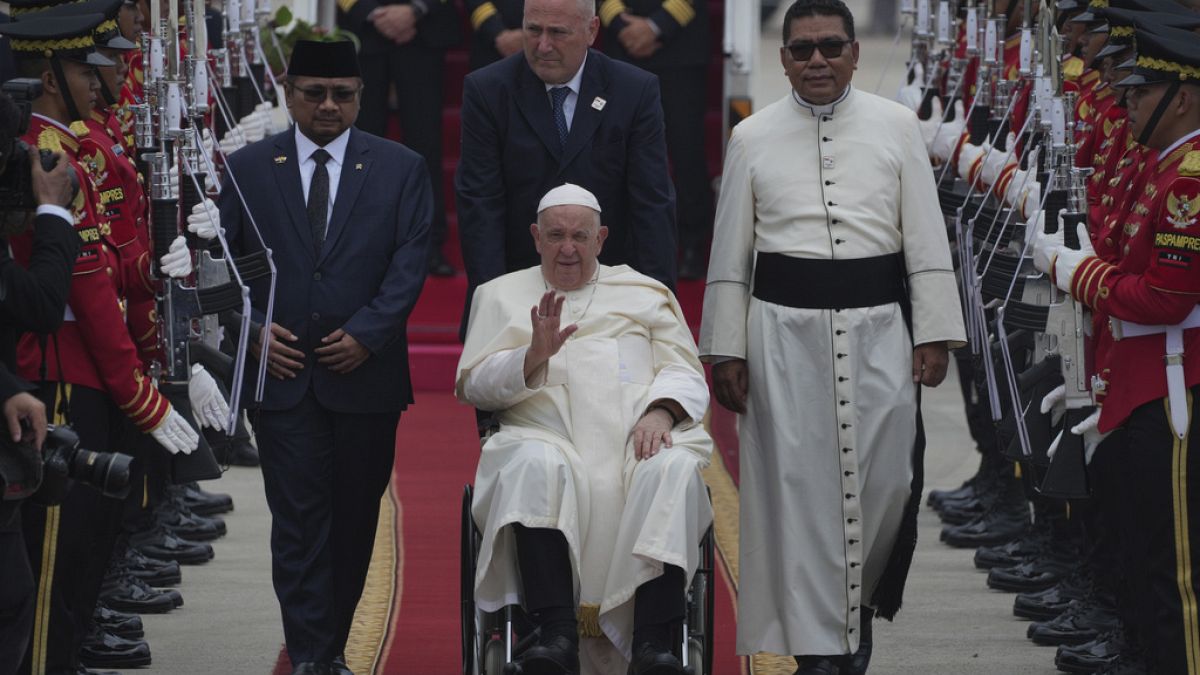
72 109
104 90
1159 111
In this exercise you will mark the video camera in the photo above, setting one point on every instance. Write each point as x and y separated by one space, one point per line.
25 471
16 179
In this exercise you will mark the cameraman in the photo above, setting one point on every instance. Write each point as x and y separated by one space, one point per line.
32 299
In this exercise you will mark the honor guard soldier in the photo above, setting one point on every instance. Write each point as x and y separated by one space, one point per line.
496 26
1145 381
88 370
670 39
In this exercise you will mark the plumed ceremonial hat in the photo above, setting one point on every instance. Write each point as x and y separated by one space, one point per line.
107 34
323 59
569 194
69 37
1165 54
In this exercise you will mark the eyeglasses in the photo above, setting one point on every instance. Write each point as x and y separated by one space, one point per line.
830 49
319 94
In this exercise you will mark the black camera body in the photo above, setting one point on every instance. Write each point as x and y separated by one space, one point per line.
45 476
16 178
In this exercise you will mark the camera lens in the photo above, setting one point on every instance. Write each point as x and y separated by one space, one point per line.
106 471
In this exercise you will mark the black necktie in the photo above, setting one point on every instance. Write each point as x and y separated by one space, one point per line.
558 96
318 198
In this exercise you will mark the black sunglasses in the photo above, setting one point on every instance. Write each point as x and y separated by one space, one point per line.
319 94
830 49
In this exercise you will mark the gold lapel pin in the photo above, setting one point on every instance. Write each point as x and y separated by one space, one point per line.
281 159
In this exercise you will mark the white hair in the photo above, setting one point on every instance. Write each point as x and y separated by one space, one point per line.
587 9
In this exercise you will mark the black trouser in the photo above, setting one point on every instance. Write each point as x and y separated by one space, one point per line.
324 473
683 101
417 72
545 564
70 545
16 597
1162 534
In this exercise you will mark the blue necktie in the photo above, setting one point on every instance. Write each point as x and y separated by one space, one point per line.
558 96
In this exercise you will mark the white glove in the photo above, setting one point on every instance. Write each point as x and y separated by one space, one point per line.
204 220
1092 437
177 262
1069 259
1023 193
1044 246
947 135
967 157
208 404
176 435
1053 403
253 127
207 143
998 161
232 141
266 113
910 95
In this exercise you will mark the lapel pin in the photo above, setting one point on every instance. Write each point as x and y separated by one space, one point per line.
599 103
358 167
281 159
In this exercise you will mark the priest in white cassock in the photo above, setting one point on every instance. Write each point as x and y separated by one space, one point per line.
589 496
830 299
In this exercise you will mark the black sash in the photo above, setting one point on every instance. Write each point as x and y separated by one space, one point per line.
809 283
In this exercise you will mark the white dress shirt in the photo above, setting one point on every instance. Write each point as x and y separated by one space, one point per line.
573 97
337 153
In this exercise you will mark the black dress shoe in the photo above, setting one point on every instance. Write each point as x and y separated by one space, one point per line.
1047 604
200 501
439 266
128 626
339 667
151 570
180 521
104 649
1083 621
555 655
1012 552
650 661
311 668
997 525
157 542
1091 656
1035 574
129 594
816 665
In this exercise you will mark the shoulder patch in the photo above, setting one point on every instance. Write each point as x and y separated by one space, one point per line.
1190 166
48 139
79 128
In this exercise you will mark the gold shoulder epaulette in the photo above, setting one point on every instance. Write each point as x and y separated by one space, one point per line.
1190 166
1073 68
50 140
79 128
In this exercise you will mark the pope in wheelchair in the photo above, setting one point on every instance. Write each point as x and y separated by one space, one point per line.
589 496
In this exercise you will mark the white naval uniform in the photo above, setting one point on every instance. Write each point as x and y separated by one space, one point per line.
562 457
826 443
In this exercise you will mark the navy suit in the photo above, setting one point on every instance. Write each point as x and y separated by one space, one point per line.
511 157
327 440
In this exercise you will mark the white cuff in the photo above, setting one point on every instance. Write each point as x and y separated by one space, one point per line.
56 210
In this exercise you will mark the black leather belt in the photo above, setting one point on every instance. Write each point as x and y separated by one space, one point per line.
810 283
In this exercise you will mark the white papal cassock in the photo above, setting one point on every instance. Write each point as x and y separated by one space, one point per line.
826 444
562 458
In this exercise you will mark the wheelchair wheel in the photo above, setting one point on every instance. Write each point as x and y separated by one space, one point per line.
697 657
494 658
700 603
472 637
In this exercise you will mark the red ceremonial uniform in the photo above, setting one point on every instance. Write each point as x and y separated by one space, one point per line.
124 204
93 345
1156 282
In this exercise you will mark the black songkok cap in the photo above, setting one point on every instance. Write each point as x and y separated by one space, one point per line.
323 59
1165 54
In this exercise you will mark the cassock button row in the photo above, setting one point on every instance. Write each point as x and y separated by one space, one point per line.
853 586
849 496
845 449
842 402
839 241
847 473
845 426
839 332
826 139
854 564
842 378
829 182
840 355
852 541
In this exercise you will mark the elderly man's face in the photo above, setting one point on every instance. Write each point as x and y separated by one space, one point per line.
818 78
557 35
569 239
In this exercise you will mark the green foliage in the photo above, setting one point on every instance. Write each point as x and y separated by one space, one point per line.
288 30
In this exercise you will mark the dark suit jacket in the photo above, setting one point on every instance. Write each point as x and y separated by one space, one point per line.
438 29
366 279
511 157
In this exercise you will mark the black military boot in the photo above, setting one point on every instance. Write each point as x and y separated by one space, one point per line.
1047 604
182 522
1015 551
1037 573
128 626
1130 663
1083 621
151 570
200 501
1004 519
103 649
971 488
